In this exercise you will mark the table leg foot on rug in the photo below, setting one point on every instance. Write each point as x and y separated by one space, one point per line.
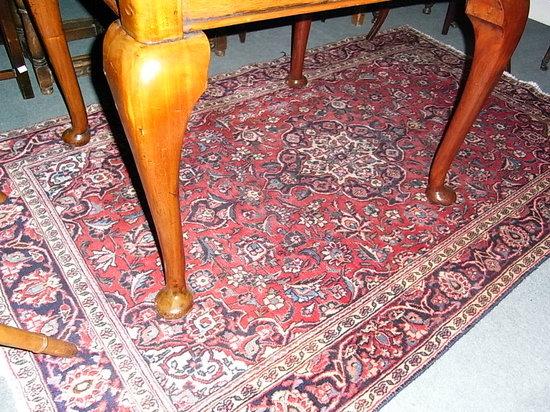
442 195
300 34
172 303
497 32
48 21
155 87
35 342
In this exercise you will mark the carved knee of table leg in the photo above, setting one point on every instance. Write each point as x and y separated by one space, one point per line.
155 87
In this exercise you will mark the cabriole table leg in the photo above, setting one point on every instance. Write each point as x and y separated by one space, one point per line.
155 86
498 25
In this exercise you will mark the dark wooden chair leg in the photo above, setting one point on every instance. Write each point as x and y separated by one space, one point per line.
15 53
242 36
495 41
300 34
451 14
48 21
545 60
379 19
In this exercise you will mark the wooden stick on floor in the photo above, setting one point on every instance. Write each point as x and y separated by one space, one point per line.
35 342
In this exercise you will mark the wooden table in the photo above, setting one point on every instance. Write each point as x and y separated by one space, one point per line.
156 59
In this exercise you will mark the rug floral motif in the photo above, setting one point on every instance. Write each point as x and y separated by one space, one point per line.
323 279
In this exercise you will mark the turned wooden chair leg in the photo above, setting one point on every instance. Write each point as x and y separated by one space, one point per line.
48 21
155 86
495 41
35 51
300 34
35 342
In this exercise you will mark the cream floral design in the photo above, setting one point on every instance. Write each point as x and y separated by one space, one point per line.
84 386
341 157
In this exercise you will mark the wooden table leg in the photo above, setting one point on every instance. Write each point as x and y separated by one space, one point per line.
300 34
48 21
155 84
498 25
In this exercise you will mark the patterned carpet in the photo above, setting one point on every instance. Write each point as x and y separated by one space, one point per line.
323 279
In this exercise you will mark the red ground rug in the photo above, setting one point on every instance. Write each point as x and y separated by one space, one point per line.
323 278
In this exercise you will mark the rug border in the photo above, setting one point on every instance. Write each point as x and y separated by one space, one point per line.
94 108
458 336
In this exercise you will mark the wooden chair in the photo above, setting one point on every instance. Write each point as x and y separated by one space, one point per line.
10 336
18 69
379 17
75 29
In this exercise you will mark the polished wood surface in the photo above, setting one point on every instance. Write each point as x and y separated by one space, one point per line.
204 14
300 34
155 87
156 62
35 342
48 21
